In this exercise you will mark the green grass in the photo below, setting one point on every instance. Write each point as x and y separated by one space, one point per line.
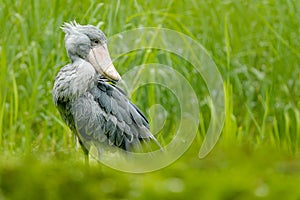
255 45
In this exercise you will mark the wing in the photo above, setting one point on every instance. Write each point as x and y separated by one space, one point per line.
105 115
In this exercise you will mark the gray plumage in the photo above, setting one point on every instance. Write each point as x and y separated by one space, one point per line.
90 103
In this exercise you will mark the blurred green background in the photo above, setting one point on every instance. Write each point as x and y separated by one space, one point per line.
256 47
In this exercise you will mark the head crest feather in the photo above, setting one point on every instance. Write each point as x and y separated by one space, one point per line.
69 27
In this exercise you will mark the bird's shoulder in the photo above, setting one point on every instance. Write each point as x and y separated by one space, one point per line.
114 101
73 80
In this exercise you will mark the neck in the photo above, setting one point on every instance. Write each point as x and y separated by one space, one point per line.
75 58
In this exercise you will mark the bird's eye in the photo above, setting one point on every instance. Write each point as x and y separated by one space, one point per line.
95 41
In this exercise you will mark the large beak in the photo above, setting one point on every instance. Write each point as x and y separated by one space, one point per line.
100 59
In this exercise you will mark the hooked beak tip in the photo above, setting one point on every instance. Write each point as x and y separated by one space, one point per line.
112 74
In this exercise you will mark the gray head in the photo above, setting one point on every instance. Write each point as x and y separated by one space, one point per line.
89 43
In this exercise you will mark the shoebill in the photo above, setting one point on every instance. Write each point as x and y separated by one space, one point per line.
87 98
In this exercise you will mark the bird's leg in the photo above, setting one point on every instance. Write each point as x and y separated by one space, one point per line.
86 153
86 158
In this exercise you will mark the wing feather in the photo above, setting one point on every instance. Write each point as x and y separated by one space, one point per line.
105 115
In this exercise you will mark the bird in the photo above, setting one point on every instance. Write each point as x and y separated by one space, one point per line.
86 94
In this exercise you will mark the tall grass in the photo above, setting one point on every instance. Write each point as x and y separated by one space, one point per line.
255 46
